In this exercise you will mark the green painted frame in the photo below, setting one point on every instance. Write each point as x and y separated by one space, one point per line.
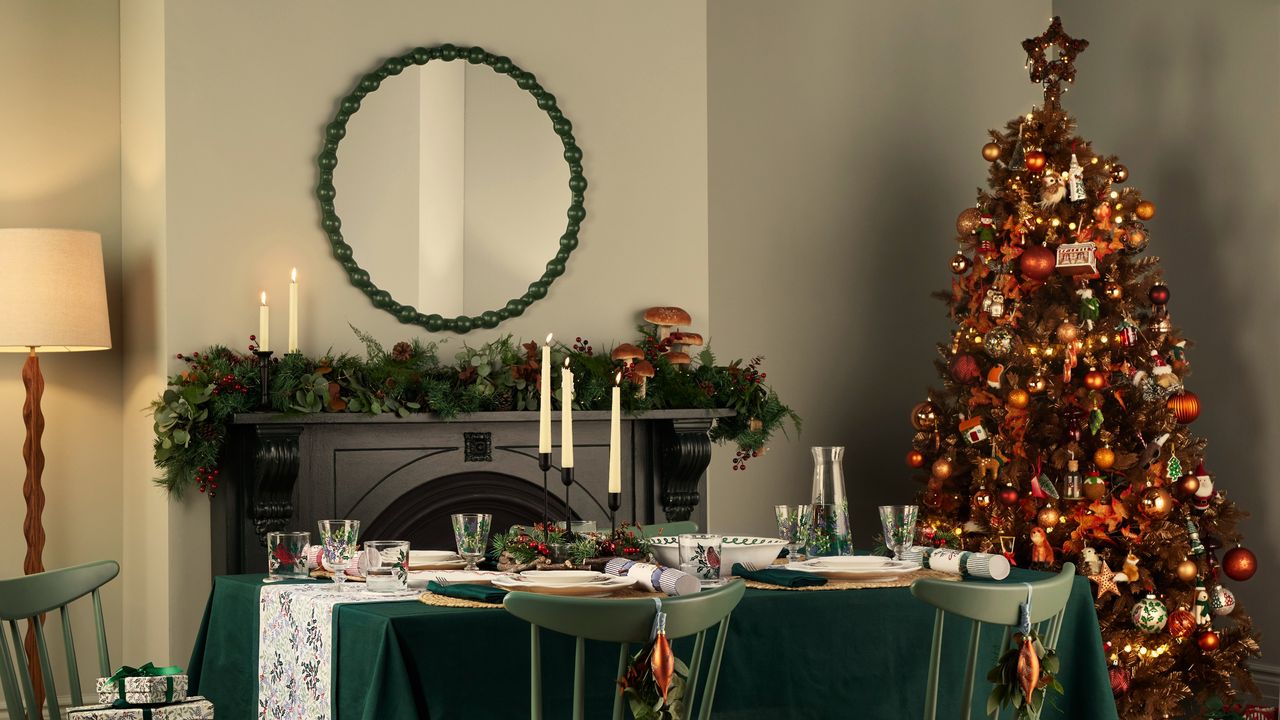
327 162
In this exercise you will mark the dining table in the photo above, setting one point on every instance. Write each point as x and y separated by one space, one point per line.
789 654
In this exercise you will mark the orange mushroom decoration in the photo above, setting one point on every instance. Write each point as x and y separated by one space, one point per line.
679 359
642 369
666 319
627 353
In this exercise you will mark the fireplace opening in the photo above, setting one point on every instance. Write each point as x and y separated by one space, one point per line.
421 515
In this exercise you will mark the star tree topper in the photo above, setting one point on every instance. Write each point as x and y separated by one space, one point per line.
1053 72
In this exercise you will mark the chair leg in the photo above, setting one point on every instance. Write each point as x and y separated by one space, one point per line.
618 702
580 680
535 675
935 661
713 672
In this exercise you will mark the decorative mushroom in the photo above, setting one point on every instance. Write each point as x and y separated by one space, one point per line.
685 340
678 359
627 353
642 369
666 318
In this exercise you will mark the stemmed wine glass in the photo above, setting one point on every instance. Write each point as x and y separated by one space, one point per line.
899 523
471 532
338 543
794 524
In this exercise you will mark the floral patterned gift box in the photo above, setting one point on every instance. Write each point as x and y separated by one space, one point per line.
192 708
142 690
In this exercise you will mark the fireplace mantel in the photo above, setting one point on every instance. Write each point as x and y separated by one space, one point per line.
285 471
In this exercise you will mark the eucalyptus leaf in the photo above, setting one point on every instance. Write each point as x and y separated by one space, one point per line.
181 437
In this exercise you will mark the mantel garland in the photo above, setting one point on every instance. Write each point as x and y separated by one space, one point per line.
193 414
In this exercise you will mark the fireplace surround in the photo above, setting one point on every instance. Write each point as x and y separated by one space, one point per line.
402 477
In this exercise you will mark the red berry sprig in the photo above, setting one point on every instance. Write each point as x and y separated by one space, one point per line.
583 346
207 480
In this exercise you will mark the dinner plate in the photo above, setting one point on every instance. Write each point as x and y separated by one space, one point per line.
454 577
422 557
860 562
843 570
599 588
563 577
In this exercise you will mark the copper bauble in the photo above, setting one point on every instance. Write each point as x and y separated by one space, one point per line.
1009 495
1239 563
960 264
1104 457
924 416
1035 160
1188 570
1120 678
1037 262
991 152
1145 210
1181 623
942 468
1112 290
1186 486
1095 379
968 220
1160 325
1135 240
1185 407
915 459
1208 641
982 498
1119 173
1048 517
964 369
1018 398
1159 294
1037 384
1156 502
1067 333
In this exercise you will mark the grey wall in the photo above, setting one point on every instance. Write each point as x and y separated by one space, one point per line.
1190 101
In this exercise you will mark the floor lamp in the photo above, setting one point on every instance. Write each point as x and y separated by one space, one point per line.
53 298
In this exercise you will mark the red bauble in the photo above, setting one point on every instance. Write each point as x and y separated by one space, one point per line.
964 369
1035 160
1185 407
1009 495
915 459
1208 641
1159 294
1037 262
1120 678
1187 486
1095 379
1239 563
1181 623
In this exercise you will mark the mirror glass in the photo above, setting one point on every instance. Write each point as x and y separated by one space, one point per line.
450 184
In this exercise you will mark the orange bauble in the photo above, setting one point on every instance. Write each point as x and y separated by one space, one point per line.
991 152
924 416
982 498
1035 160
942 468
1095 379
1104 457
1048 517
1067 333
1145 210
1209 641
1018 398
1188 570
915 459
968 220
1156 502
1037 262
1186 486
1239 563
1181 623
1185 407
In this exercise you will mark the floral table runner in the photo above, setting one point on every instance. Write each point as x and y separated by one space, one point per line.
295 649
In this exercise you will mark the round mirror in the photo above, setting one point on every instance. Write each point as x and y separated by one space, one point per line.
442 188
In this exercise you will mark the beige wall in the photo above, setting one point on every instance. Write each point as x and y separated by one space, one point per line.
60 167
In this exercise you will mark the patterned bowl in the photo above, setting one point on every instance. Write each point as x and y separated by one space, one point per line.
753 552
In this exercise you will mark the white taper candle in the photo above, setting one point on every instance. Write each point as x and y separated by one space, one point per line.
544 400
293 311
264 325
566 416
615 437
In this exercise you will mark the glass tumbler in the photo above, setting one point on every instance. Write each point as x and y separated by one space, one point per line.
794 522
386 565
700 556
471 532
338 546
899 524
287 554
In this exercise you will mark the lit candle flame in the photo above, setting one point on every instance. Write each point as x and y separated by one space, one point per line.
264 297
617 379
566 363
549 338
293 275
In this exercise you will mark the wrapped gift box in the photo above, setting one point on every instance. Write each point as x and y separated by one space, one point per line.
192 708
144 690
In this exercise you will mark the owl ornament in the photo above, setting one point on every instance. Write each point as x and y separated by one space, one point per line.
1052 191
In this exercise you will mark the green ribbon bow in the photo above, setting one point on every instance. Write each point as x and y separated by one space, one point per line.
148 670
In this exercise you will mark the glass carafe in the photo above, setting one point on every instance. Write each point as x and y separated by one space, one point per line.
830 534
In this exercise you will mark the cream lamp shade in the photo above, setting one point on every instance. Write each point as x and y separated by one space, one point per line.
53 293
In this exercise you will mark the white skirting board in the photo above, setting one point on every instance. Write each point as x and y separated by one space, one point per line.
1268 679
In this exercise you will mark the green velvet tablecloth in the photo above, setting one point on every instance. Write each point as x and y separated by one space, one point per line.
790 654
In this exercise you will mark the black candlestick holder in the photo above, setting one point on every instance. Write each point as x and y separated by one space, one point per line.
615 502
544 464
566 477
264 377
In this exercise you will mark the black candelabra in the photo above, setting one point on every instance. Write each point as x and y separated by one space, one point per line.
566 477
264 377
615 502
544 464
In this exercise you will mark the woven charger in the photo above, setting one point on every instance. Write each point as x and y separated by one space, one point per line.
903 580
430 598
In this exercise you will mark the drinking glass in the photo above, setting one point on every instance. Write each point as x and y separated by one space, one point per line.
287 554
899 523
386 565
794 522
700 556
338 544
471 532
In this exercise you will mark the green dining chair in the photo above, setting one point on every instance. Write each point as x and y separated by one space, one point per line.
667 529
628 622
993 604
29 597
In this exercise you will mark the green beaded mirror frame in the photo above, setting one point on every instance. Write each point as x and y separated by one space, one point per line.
332 224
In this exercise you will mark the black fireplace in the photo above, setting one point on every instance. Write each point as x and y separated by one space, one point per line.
403 477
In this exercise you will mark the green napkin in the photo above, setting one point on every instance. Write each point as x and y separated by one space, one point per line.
468 591
778 576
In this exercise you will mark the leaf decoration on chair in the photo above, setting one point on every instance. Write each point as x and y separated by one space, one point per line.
1022 675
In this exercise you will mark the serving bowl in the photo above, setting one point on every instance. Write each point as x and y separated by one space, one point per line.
753 552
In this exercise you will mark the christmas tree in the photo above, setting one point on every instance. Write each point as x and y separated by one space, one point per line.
1062 431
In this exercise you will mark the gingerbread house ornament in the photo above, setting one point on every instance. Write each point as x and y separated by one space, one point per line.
1077 259
973 431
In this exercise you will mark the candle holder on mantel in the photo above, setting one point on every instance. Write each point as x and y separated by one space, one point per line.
615 502
264 377
544 464
566 477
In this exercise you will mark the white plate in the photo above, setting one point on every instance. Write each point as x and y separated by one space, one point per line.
848 572
563 577
424 557
860 562
454 577
602 588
